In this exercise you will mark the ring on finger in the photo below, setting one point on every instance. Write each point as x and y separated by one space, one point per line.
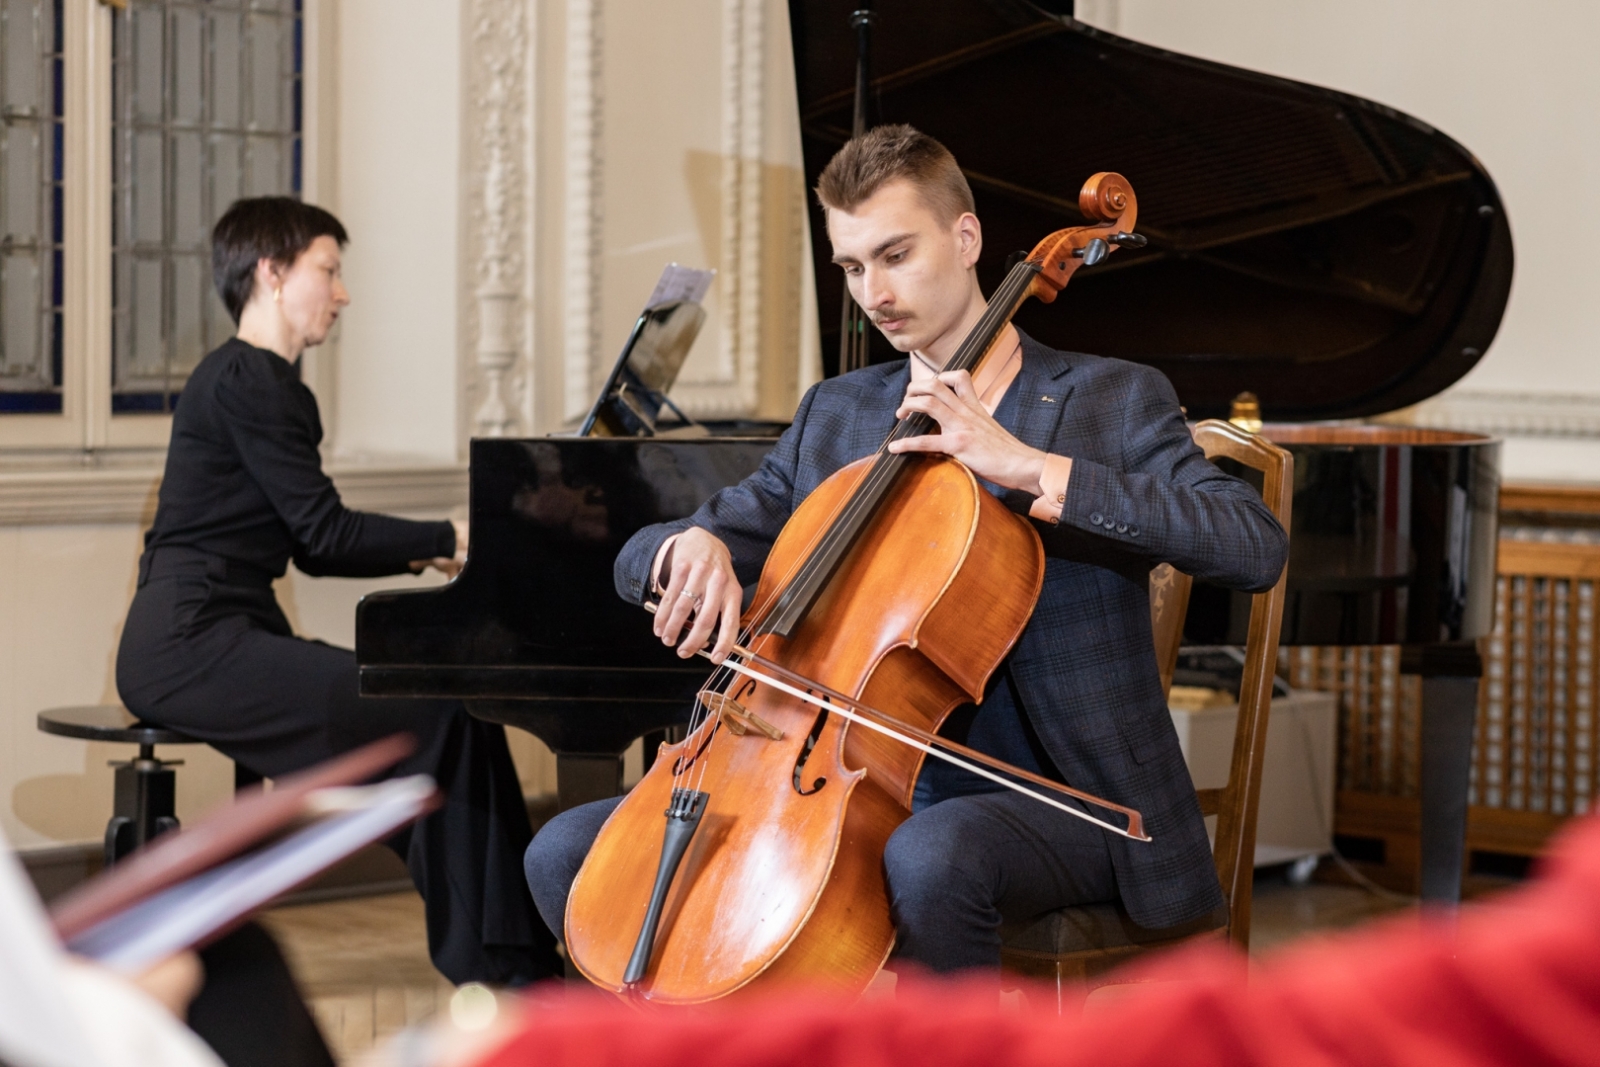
696 597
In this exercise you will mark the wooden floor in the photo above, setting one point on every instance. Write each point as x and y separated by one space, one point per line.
363 963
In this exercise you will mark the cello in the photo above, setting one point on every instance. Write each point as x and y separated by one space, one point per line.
891 595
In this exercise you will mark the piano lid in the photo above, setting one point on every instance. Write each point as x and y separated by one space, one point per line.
1330 254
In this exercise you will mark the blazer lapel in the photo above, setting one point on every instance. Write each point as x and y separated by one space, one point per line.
1042 388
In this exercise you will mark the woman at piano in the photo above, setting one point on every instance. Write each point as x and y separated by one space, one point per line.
206 649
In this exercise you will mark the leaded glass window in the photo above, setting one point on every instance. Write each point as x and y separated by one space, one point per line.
205 109
30 205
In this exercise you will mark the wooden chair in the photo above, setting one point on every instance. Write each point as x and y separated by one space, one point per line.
1075 947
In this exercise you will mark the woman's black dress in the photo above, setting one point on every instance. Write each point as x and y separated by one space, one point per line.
207 651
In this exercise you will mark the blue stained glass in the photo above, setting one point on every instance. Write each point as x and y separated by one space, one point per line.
30 403
55 333
294 180
57 154
144 403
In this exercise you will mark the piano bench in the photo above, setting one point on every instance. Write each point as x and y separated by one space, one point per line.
145 786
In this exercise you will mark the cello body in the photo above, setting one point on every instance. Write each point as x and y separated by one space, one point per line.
784 878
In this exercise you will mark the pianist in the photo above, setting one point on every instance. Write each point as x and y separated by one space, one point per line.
1106 470
206 649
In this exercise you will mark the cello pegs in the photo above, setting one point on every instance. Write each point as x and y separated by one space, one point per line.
1093 252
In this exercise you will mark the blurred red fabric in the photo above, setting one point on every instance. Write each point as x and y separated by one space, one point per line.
1514 981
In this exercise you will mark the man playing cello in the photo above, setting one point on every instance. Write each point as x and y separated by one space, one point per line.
1096 452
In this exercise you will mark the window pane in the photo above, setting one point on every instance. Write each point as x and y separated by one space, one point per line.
30 206
187 52
191 226
227 37
203 112
267 174
266 81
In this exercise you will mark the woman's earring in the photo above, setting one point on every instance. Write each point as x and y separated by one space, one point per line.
277 295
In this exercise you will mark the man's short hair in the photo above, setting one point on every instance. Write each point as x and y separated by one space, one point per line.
277 228
887 153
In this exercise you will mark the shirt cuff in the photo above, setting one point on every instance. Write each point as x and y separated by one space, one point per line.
656 588
1053 481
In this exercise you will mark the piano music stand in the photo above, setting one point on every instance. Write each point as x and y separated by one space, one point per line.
636 389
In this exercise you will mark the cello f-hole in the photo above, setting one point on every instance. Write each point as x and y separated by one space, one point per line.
805 754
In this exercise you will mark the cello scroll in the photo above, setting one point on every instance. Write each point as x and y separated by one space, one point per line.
1108 201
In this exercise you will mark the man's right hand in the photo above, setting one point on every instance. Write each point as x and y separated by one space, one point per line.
700 582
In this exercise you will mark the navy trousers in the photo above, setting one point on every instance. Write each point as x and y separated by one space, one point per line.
956 870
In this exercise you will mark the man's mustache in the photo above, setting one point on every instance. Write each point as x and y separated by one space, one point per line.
883 315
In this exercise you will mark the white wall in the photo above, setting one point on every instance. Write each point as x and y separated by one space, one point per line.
397 181
63 593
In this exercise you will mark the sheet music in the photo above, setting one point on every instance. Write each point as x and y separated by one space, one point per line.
680 283
192 911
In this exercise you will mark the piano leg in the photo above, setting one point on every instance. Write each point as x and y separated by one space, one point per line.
582 777
1450 676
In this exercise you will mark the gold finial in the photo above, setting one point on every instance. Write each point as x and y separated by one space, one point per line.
1246 413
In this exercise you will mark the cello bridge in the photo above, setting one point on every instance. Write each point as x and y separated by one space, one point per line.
736 717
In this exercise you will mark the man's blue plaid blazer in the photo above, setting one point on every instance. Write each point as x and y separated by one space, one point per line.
1141 493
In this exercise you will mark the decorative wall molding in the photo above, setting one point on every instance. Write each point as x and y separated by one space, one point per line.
1508 414
733 388
107 496
585 107
499 177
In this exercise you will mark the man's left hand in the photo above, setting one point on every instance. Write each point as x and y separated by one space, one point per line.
969 433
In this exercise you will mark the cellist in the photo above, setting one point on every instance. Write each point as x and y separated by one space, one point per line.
1096 453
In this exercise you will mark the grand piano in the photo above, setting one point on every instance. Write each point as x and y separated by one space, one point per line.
1333 256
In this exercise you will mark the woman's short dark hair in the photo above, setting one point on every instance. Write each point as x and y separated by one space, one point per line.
277 228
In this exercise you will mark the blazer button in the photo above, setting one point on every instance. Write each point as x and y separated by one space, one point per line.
1096 518
1133 531
1122 527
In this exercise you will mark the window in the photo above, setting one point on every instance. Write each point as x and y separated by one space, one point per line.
30 198
126 133
205 109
